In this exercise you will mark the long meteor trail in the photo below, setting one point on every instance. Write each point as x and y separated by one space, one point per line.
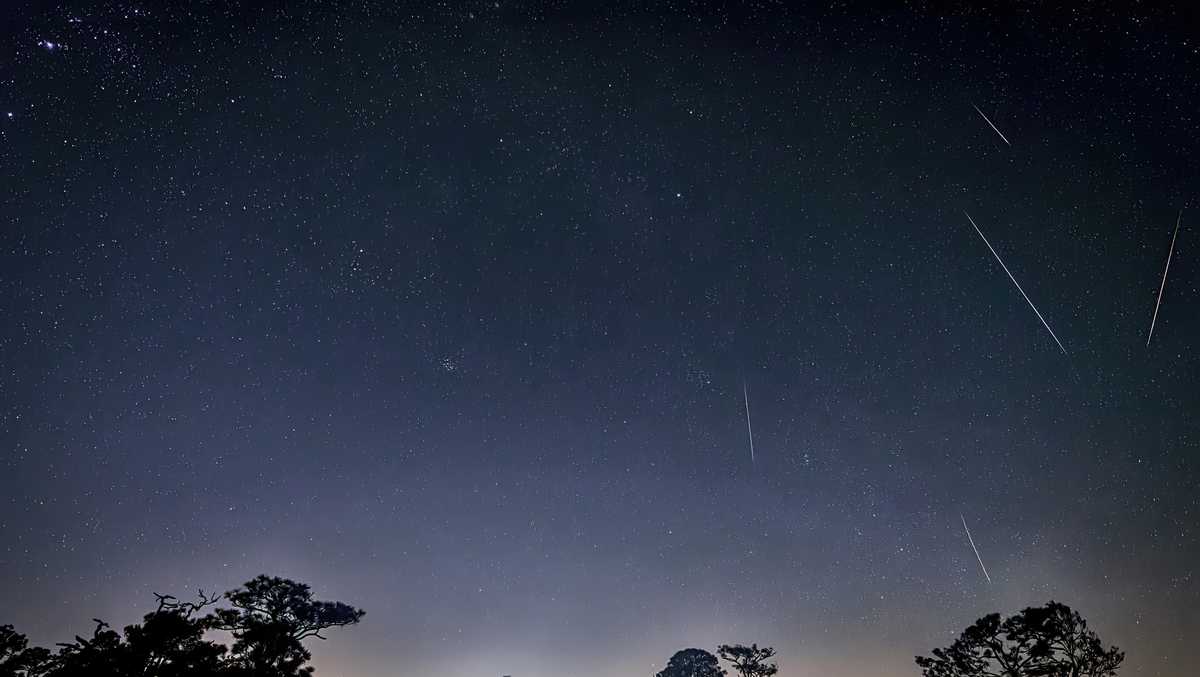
972 541
985 119
749 430
1162 285
1018 284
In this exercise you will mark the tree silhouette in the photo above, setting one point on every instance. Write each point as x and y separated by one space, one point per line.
1048 641
100 655
17 658
270 619
749 661
168 643
692 663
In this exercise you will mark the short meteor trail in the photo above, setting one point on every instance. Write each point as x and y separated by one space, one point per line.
1014 281
985 119
749 430
1163 284
972 541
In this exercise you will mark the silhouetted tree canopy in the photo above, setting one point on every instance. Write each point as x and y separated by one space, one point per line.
1048 641
169 642
17 658
270 619
692 663
749 661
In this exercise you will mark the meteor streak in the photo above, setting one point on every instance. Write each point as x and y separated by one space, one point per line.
972 541
1014 281
1163 284
749 430
985 119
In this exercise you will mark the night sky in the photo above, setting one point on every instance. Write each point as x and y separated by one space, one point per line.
448 310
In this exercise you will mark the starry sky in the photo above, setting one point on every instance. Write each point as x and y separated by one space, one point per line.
455 310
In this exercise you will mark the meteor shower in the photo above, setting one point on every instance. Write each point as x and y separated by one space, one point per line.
515 338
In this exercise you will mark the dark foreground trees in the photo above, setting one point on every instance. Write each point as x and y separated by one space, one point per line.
748 661
692 663
17 658
1048 641
269 620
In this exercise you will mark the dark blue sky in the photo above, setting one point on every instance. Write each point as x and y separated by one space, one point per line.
448 311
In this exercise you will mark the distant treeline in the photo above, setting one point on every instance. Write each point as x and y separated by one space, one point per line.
1047 641
269 618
